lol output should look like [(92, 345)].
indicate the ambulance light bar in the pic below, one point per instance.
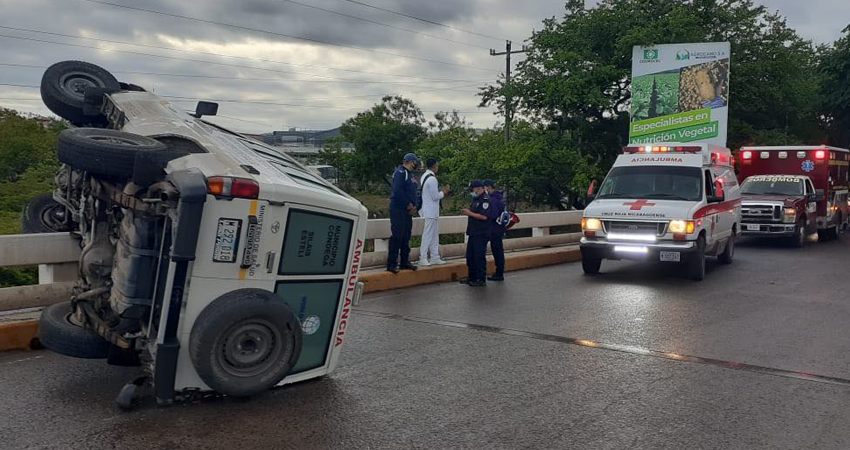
[(661, 149)]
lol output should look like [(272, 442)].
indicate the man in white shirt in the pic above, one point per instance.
[(431, 196)]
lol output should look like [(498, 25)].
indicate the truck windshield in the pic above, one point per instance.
[(772, 186), (668, 183)]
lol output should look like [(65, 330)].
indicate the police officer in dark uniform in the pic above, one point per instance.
[(478, 230), (402, 208)]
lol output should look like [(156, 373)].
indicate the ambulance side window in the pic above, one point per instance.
[(709, 184)]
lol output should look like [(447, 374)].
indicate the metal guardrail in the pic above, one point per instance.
[(57, 253)]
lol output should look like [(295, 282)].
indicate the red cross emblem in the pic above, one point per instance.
[(638, 204)]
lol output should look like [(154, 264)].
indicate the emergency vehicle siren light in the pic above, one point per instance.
[(820, 154), (661, 149), (747, 155)]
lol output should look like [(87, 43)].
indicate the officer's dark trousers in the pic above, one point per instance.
[(498, 248), (401, 225), (476, 257)]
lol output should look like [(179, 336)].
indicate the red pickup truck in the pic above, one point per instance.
[(794, 190)]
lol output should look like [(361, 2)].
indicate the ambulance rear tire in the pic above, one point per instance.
[(591, 266), (696, 265), (245, 342)]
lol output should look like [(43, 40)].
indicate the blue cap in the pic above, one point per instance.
[(475, 184), (489, 183), (410, 157)]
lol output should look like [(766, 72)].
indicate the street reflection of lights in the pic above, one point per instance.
[(587, 343), (674, 356)]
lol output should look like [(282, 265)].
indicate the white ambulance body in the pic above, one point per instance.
[(669, 203)]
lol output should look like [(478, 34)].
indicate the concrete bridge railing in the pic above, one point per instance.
[(56, 254)]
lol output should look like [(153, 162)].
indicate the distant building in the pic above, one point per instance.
[(302, 144)]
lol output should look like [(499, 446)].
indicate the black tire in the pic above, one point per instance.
[(696, 265), (104, 152), (729, 252), (63, 87), (799, 238), (58, 332), (235, 327), (44, 215), (591, 265)]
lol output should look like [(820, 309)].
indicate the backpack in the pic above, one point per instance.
[(419, 192), (507, 219)]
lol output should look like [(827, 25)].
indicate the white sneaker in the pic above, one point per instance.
[(438, 262), (424, 263)]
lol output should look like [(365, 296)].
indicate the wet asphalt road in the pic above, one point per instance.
[(415, 374)]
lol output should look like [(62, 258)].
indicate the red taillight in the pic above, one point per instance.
[(233, 187), (747, 155), (820, 154)]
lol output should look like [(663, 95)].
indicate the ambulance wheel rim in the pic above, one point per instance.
[(250, 348)]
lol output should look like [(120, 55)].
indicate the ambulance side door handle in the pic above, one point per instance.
[(269, 262)]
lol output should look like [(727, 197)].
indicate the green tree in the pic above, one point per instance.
[(835, 69), (576, 77), (381, 136), (27, 166), (338, 157)]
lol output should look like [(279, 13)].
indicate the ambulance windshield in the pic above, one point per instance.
[(658, 182), (772, 185)]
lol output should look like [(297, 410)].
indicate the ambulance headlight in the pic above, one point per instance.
[(591, 224), (790, 215), (681, 226)]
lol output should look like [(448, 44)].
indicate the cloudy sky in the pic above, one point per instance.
[(295, 63)]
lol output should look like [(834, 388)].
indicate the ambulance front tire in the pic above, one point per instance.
[(245, 342), (696, 265), (799, 238), (591, 265), (729, 251), (590, 261)]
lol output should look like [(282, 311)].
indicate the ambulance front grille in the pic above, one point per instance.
[(618, 226)]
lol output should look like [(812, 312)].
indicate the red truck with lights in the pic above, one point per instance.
[(793, 191)]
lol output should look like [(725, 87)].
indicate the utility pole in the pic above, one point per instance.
[(508, 111)]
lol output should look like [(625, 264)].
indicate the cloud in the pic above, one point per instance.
[(329, 82)]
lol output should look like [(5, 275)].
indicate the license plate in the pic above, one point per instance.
[(227, 240), (753, 227), (671, 256)]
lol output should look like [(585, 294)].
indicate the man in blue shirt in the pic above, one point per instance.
[(497, 230), (478, 230), (402, 208)]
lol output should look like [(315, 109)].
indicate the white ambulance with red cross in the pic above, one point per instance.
[(670, 203)]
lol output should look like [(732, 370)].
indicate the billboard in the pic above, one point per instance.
[(680, 93)]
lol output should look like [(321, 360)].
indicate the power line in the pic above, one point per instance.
[(267, 102), (422, 20), (274, 33), (214, 77), (131, 52), (381, 23), (160, 47)]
